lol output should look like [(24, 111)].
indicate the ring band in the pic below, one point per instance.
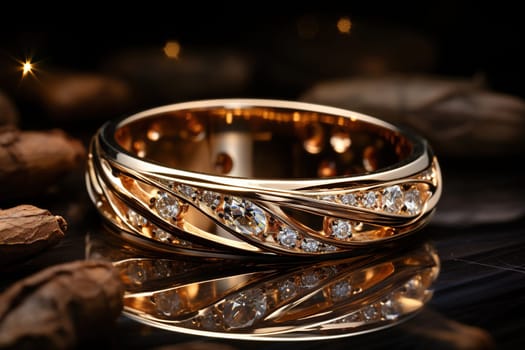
[(271, 177)]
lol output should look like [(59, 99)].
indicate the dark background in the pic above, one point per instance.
[(482, 282)]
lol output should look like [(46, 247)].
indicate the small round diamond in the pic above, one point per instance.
[(167, 206), (187, 191), (390, 309), (211, 199), (243, 309), (287, 237), (167, 303), (341, 229), (392, 199), (327, 197), (340, 290), (349, 199), (244, 216), (136, 219), (309, 279), (287, 290), (162, 235), (413, 201), (370, 313), (310, 245), (370, 200)]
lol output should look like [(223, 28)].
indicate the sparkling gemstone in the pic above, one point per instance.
[(162, 235), (309, 279), (340, 290), (390, 309), (211, 199), (370, 313), (392, 199), (136, 219), (349, 199), (244, 216), (309, 245), (370, 200), (167, 303), (287, 290), (328, 198), (187, 191), (287, 237), (341, 229), (167, 206), (244, 309), (413, 201)]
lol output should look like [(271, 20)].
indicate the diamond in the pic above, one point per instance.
[(167, 303), (390, 309), (340, 290), (327, 197), (243, 309), (310, 245), (392, 199), (341, 229), (136, 219), (349, 199), (162, 235), (287, 237), (187, 191), (287, 290), (413, 201), (370, 313), (211, 199), (244, 216), (167, 206), (309, 279), (370, 200)]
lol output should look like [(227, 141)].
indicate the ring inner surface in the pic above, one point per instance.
[(255, 142)]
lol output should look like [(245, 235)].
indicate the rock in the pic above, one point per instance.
[(458, 116)]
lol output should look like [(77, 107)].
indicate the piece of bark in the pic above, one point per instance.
[(459, 117), (8, 112), (61, 307), (26, 230), (31, 161), (73, 96), (158, 79)]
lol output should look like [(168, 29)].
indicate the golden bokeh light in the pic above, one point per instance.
[(344, 25), (172, 49)]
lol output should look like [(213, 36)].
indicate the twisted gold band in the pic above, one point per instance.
[(223, 177)]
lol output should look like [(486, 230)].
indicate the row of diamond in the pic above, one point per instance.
[(240, 215), (152, 231), (244, 309), (406, 199)]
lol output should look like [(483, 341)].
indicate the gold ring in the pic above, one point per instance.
[(250, 177)]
